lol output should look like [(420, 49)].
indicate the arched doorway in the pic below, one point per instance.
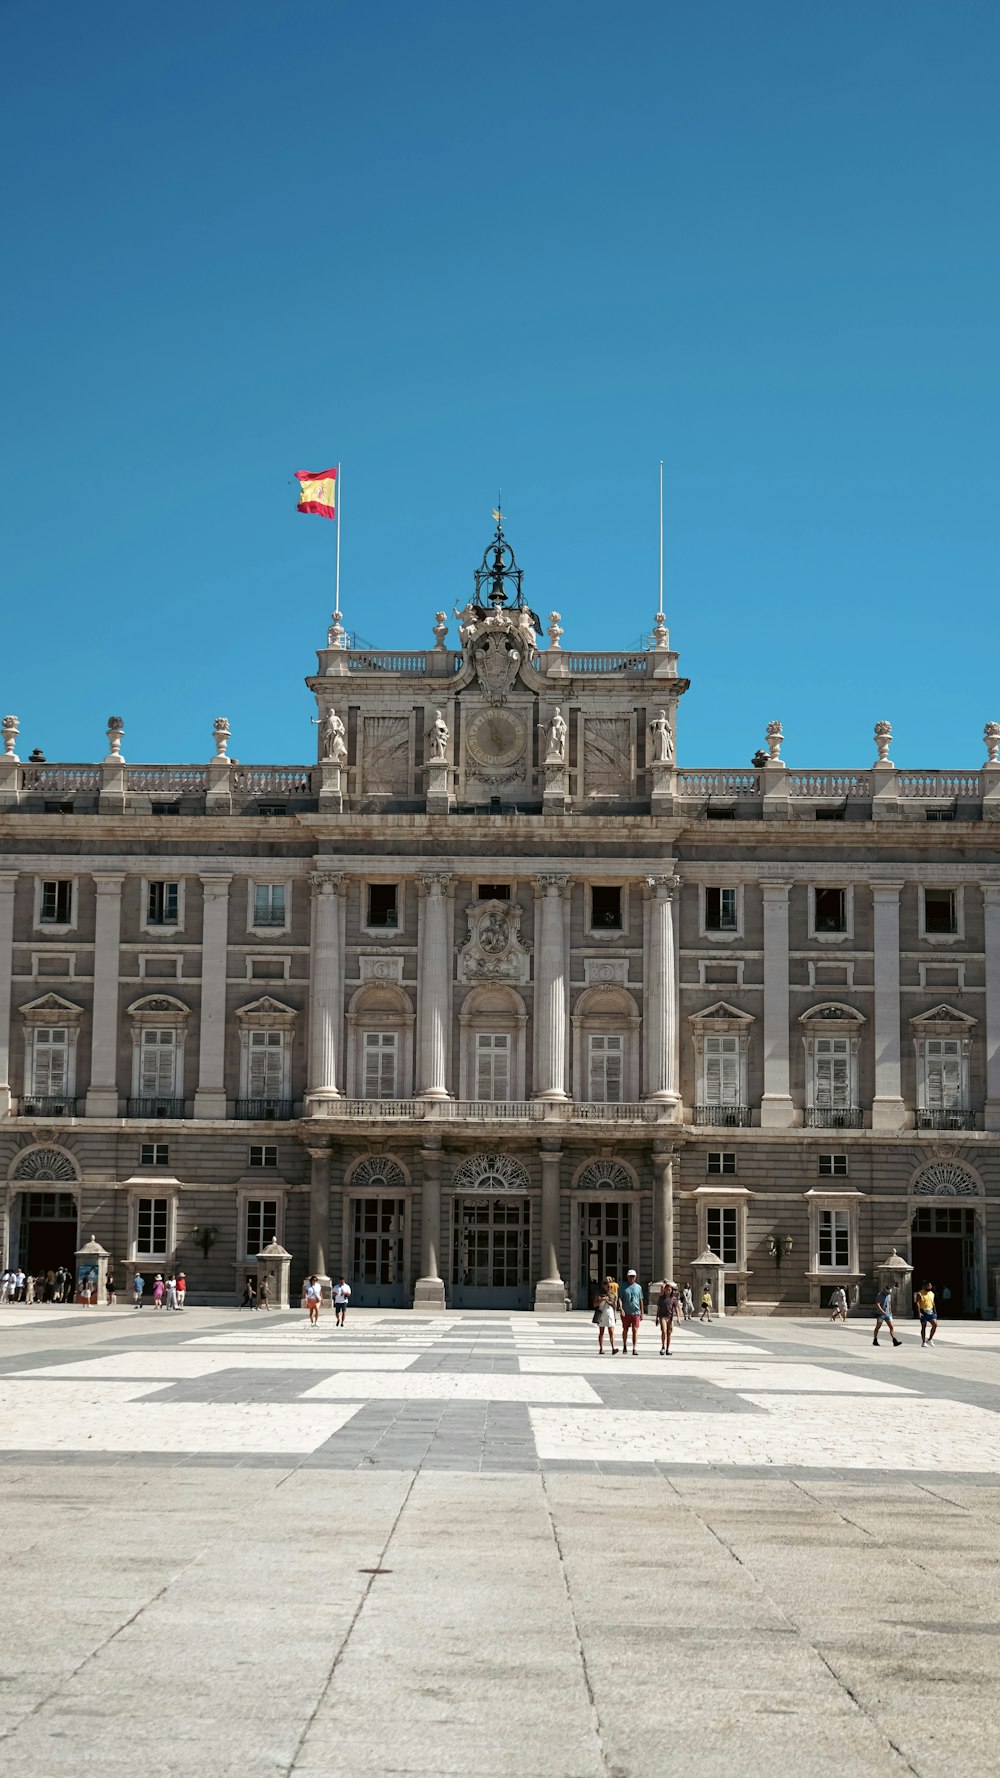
[(491, 1234), (605, 1201), (44, 1223), (376, 1232), (946, 1236)]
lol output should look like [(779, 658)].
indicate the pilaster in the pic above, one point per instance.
[(428, 1292), (434, 985), (776, 1109), (663, 1214), (550, 990), (550, 1291), (888, 1110), (102, 1095), (8, 885), (210, 1098), (661, 1000), (991, 942)]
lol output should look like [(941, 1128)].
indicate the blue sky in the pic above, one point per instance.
[(541, 245)]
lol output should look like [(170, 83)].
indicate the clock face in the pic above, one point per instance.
[(496, 738)]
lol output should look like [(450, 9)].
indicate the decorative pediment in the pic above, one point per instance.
[(722, 1015), (266, 1011), (494, 950), (945, 1016), (833, 1012), (159, 1009), (50, 1009)]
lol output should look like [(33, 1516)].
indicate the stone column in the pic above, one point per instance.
[(8, 884), (326, 972), (776, 1111), (102, 1095), (550, 1291), (663, 1214), (550, 990), (434, 1001), (319, 1214), (888, 1111), (428, 1292), (661, 993), (210, 1099), (991, 946)]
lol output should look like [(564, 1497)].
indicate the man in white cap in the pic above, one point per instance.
[(630, 1309)]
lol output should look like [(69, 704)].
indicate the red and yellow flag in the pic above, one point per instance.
[(317, 491)]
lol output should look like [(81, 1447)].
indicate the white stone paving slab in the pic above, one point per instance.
[(451, 1386), (108, 1417), (809, 1378), (176, 1363)]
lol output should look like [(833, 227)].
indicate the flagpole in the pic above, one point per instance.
[(336, 593), (660, 607)]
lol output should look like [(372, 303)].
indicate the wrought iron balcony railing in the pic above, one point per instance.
[(834, 1117), (265, 1110), (723, 1117), (152, 1107), (47, 1105), (950, 1119)]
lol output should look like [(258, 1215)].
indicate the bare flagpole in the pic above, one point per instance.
[(660, 607)]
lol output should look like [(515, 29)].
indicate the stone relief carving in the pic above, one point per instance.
[(607, 756), (605, 971), (605, 1176), (386, 755), (497, 660), (945, 1179), (381, 969), (494, 950), (490, 1173)]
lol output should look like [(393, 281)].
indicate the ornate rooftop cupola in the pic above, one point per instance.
[(500, 578)]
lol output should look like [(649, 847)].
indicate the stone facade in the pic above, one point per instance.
[(497, 996)]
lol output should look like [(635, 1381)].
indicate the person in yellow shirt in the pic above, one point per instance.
[(927, 1313)]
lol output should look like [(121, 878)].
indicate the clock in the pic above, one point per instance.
[(496, 738)]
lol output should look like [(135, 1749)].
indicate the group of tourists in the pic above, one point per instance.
[(312, 1296), (53, 1286), (625, 1304), (167, 1293), (924, 1306)]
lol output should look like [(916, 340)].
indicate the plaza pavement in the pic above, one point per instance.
[(464, 1544)]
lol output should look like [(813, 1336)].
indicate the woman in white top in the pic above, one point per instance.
[(604, 1317), (314, 1295)]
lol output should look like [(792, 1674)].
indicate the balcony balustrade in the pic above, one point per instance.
[(834, 1117), (150, 1107), (47, 1105), (953, 1118), (723, 1117), (265, 1110)]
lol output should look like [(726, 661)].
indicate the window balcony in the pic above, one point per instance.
[(723, 1117), (265, 1110), (47, 1105), (148, 1107), (834, 1117), (951, 1119)]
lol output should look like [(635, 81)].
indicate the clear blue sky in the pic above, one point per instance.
[(543, 244)]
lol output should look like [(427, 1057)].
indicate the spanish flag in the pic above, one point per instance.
[(317, 491)]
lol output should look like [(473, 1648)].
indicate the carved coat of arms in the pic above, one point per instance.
[(496, 659), (494, 951)]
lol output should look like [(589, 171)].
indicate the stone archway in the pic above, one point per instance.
[(43, 1219), (947, 1234)]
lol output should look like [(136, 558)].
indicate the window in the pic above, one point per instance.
[(493, 892), (940, 912), (383, 904), (606, 908), (492, 1065), (721, 1161), (266, 1067), (720, 1222), (51, 1207), (722, 1070), (261, 1223), (720, 910), (943, 1071), (830, 910), (57, 903), (832, 1166), (605, 1058), (380, 1053), (50, 1061), (269, 906), (157, 1062), (832, 1072), (152, 1217), (154, 1154), (263, 1154), (834, 1249), (161, 904)]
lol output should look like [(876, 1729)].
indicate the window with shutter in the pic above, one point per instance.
[(943, 1073), (722, 1070), (49, 1062), (157, 1062), (380, 1065), (835, 1239), (606, 1057), (267, 1064), (492, 1065), (269, 904), (832, 1072)]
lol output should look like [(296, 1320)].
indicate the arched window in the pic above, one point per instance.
[(380, 1043), (493, 1022), (606, 1030)]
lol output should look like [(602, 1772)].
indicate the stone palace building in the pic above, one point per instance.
[(497, 997)]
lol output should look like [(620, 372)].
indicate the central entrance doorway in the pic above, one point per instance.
[(491, 1252), (376, 1248), (605, 1241), (47, 1235), (944, 1251)]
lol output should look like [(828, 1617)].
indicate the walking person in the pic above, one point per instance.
[(604, 1317), (170, 1293), (341, 1298), (264, 1296), (928, 1314), (313, 1294), (667, 1308), (838, 1304), (182, 1285), (630, 1309), (249, 1298), (138, 1286), (158, 1291), (883, 1315), (706, 1305), (688, 1303)]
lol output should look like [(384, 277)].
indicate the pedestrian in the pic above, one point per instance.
[(264, 1296), (50, 1286), (341, 1298), (109, 1284), (86, 1288), (138, 1286), (667, 1308), (688, 1303), (158, 1288), (706, 1305), (29, 1289), (249, 1300), (604, 1317), (927, 1313), (838, 1304), (170, 1292), (182, 1285), (883, 1315), (314, 1296), (19, 1284), (630, 1309)]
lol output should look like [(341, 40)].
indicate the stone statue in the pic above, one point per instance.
[(555, 745), (332, 744), (439, 734), (663, 740)]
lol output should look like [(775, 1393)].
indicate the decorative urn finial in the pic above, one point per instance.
[(991, 736), (115, 731), (883, 736), (335, 637), (440, 628), (774, 736), (10, 726), (555, 629), (220, 734)]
